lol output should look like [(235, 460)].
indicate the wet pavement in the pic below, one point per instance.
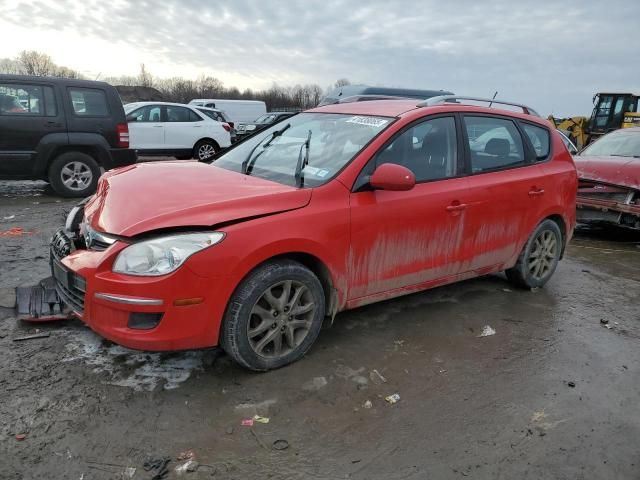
[(552, 394)]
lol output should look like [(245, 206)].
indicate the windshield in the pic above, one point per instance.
[(335, 140), (268, 118), (620, 143)]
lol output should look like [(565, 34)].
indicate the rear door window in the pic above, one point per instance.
[(494, 143), (181, 114), (89, 102), (21, 99), (540, 140)]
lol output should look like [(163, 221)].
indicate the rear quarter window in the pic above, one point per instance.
[(540, 140), (89, 102)]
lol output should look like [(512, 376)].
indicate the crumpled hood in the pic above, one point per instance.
[(157, 195), (622, 171)]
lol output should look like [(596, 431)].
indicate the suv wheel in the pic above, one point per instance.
[(274, 316), (74, 174), (539, 258), (205, 150)]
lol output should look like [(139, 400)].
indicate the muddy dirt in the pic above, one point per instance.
[(546, 392)]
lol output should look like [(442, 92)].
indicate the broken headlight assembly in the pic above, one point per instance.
[(163, 255)]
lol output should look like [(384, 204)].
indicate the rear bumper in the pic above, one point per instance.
[(120, 157)]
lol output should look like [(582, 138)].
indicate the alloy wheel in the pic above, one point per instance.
[(281, 319), (206, 151), (543, 254), (76, 176)]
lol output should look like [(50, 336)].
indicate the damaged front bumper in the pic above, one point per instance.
[(177, 311), (603, 203)]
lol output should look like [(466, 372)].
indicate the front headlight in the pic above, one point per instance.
[(163, 255), (250, 127)]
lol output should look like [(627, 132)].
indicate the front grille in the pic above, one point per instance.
[(70, 286), (73, 296), (620, 197), (61, 245)]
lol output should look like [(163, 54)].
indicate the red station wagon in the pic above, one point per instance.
[(334, 208)]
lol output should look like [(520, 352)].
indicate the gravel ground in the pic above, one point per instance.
[(552, 394)]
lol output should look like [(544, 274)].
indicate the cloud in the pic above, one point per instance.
[(553, 55)]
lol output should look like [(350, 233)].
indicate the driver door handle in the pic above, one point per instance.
[(536, 192), (456, 207)]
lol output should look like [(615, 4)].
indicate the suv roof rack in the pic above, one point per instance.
[(456, 99)]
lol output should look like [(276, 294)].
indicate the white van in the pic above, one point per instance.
[(237, 110)]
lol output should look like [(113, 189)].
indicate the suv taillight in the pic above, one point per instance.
[(231, 124), (226, 126), (123, 135)]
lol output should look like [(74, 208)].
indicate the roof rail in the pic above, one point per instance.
[(456, 99)]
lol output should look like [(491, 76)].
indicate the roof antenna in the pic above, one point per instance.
[(493, 98)]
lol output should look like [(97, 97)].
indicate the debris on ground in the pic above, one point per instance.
[(158, 465), (229, 430), (21, 436), (260, 419), (15, 232), (315, 384), (507, 290), (367, 404), (247, 422), (129, 472), (395, 398), (280, 444), (32, 337), (187, 455), (604, 321), (376, 377), (251, 409), (487, 331), (9, 217), (571, 384), (189, 466)]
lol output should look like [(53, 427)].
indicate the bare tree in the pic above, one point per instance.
[(10, 66), (144, 78), (341, 82), (36, 63)]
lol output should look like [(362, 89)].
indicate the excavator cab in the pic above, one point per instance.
[(612, 111)]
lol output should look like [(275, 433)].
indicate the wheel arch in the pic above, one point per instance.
[(319, 269), (209, 139), (562, 224)]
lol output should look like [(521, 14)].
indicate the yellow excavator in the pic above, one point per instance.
[(611, 111)]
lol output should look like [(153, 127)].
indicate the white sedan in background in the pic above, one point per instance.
[(182, 131)]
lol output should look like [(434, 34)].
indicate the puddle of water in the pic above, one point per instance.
[(140, 371)]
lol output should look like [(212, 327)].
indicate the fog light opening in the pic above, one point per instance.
[(144, 321)]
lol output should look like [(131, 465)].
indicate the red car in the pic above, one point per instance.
[(609, 172), (334, 208)]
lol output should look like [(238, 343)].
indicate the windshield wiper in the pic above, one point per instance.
[(247, 163), (302, 161)]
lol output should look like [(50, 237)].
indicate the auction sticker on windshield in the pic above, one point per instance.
[(368, 121)]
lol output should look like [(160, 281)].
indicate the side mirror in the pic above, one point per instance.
[(390, 176), (131, 118)]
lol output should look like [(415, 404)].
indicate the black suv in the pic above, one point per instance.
[(61, 131)]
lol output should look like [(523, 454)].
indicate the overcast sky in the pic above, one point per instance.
[(553, 55)]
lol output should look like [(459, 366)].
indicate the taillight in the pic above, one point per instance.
[(226, 126), (123, 135), (231, 124)]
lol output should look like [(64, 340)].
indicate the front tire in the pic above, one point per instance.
[(205, 150), (74, 174), (274, 316), (539, 257)]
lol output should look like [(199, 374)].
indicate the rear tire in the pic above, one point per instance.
[(74, 174), (539, 257), (274, 316), (205, 150)]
